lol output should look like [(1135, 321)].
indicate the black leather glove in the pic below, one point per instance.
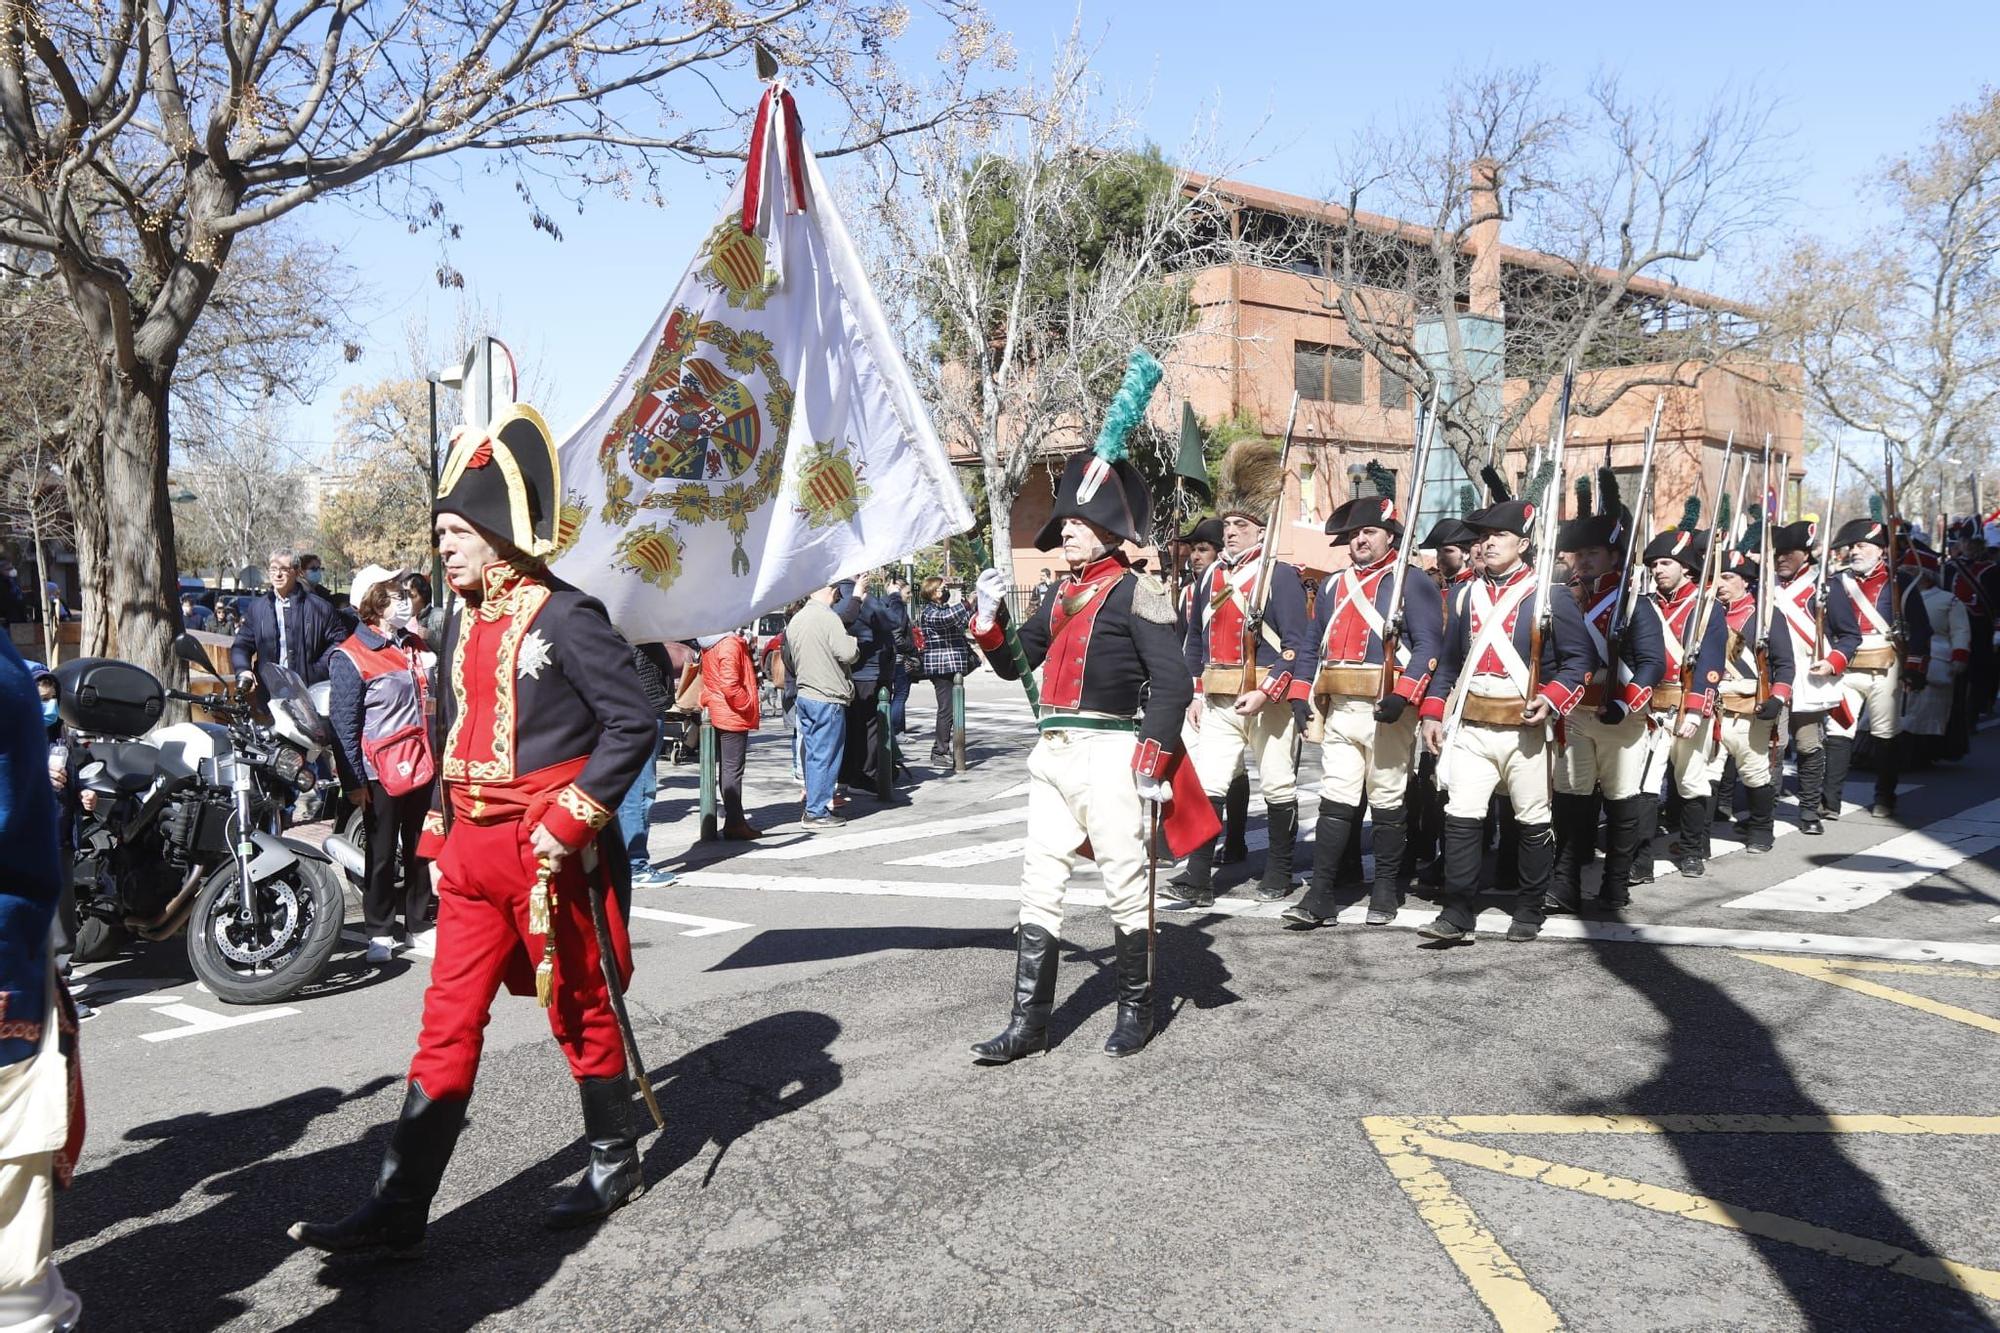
[(1770, 709), (1300, 714), (1612, 713), (1915, 680), (1389, 709)]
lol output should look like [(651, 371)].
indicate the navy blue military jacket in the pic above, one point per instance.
[(1847, 624), (1567, 657), (1221, 605), (1343, 633)]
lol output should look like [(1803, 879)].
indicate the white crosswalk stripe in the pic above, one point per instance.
[(1901, 862)]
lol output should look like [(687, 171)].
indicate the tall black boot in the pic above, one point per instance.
[(1839, 754), (1576, 835), (395, 1215), (1353, 873), (1689, 859), (1538, 858), (1027, 1029), (1196, 882), (1385, 897), (1282, 818), (1336, 824), (1506, 859), (1648, 838), (1812, 789), (1670, 818), (1235, 819), (1757, 830), (1708, 823), (612, 1179), (1889, 765), (1464, 849), (1134, 1025), (1626, 822)]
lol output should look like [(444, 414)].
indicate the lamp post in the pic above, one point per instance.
[(453, 377)]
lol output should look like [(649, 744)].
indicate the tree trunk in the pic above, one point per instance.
[(125, 527), (1000, 519)]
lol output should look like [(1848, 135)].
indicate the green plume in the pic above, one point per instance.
[(1142, 376), (1582, 496), (1691, 514), (1538, 485), (1722, 519), (1384, 479), (1875, 509), (1468, 500), (1752, 540)]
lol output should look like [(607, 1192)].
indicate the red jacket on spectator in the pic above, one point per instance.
[(729, 685)]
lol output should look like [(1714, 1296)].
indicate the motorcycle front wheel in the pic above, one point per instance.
[(300, 910)]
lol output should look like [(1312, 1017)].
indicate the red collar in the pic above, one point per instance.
[(1672, 600), (500, 585), (1111, 564), (1605, 583)]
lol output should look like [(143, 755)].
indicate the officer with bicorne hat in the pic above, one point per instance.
[(1113, 691), (541, 729)]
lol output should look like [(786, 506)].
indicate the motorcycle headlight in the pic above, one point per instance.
[(287, 763)]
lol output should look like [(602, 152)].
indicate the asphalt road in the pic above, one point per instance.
[(1765, 1100)]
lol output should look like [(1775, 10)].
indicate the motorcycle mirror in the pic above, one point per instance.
[(190, 650)]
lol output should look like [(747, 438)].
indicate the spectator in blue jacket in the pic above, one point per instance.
[(287, 626)]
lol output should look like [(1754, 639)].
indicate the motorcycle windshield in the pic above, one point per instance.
[(291, 698)]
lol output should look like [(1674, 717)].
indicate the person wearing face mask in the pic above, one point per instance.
[(378, 698), (1873, 665)]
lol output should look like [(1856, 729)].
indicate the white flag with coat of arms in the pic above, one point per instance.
[(766, 439)]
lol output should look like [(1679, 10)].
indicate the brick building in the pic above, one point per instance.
[(1263, 332)]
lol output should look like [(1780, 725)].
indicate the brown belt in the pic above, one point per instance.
[(1494, 712), (1872, 659), (1666, 698), (1739, 705), (1362, 681), (1223, 680)]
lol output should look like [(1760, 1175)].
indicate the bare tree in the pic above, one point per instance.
[(1899, 332), (141, 142), (1619, 198), (1024, 254), (248, 491)]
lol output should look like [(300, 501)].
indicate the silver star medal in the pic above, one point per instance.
[(534, 655)]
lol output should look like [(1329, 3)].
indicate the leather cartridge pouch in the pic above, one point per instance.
[(1494, 712)]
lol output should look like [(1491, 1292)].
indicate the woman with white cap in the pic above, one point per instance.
[(384, 755)]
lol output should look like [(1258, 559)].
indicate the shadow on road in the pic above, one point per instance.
[(774, 948), (1719, 1056)]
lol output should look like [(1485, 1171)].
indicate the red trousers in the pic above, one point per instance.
[(486, 872)]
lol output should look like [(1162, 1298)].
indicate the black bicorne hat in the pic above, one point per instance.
[(1208, 532), (1515, 516), (1112, 495), (1606, 530), (1742, 565), (506, 481), (1800, 536), (1862, 530), (1367, 511), (1686, 545), (1448, 532)]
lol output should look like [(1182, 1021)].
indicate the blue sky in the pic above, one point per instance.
[(1855, 84)]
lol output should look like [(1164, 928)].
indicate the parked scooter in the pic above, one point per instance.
[(183, 827)]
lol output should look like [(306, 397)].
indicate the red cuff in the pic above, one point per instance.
[(1411, 688), (1781, 691), (573, 818), (1700, 704), (1279, 687), (1837, 660), (1914, 664), (1432, 709), (1560, 697), (430, 843), (989, 638), (1959, 657), (1149, 760), (1300, 690), (1634, 697)]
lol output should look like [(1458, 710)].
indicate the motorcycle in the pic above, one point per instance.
[(184, 827)]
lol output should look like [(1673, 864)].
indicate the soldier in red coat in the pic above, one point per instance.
[(542, 728)]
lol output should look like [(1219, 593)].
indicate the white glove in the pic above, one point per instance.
[(991, 591), (1154, 790)]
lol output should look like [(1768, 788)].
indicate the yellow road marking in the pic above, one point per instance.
[(1915, 969), (1448, 1126), (1834, 973), (1698, 1208), (1495, 1278)]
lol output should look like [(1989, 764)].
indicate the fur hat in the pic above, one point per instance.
[(1249, 481)]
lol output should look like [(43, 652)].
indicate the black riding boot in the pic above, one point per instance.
[(1235, 817), (612, 1179), (1626, 822), (1506, 860), (1282, 817), (1648, 836), (1690, 858), (1352, 875), (1196, 882), (1812, 789), (1839, 754), (1538, 858), (1889, 766), (1464, 849), (1757, 832), (1708, 823), (1134, 1025), (1385, 898), (1576, 835), (1336, 824), (1027, 1030), (395, 1215)]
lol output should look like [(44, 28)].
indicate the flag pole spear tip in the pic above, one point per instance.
[(767, 64)]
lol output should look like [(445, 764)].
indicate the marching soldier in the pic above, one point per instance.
[(1797, 606), (1370, 734), (1249, 696), (1604, 740), (543, 728), (1961, 576), (1684, 701), (1113, 693), (1933, 710), (1751, 697), (1867, 613), (1204, 543), (1453, 544), (1503, 711)]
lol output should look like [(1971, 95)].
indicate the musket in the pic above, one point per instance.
[(1267, 558), (1825, 555), (1629, 575), (1545, 539), (1765, 575), (1392, 624), (1898, 631), (1711, 563)]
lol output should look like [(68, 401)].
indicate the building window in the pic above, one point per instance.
[(1327, 374), (1393, 392), (1307, 496)]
